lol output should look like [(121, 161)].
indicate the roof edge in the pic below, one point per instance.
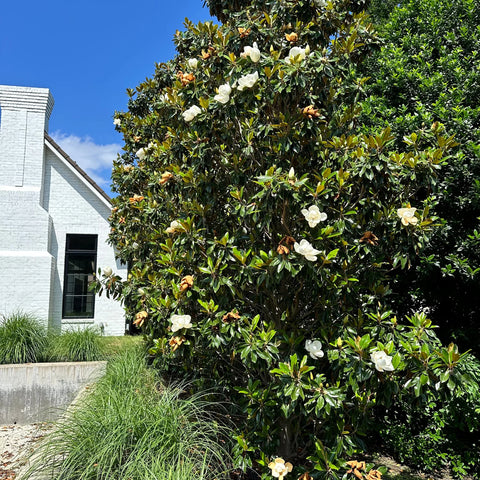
[(78, 168)]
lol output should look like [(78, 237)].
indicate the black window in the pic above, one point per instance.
[(80, 265)]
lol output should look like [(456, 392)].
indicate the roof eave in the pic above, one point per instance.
[(54, 146)]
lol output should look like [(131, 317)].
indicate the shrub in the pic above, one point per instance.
[(432, 435), (76, 346), (131, 427), (264, 232), (425, 77), (23, 338)]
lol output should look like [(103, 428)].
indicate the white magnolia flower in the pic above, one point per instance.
[(291, 174), (141, 154), (107, 271), (280, 468), (314, 216), (305, 248), (174, 226), (223, 93), (314, 348), (191, 113), (247, 81), (180, 321), (140, 291), (193, 63), (117, 122), (252, 52), (382, 361), (297, 54), (407, 215)]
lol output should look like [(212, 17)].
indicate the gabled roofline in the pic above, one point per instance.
[(74, 165)]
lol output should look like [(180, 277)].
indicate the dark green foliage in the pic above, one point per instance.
[(426, 77), (432, 436), (228, 279), (23, 339)]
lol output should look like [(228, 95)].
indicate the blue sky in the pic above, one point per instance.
[(88, 53)]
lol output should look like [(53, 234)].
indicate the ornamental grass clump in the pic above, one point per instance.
[(286, 219), (76, 346), (130, 426), (23, 338)]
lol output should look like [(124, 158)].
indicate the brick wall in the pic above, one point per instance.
[(42, 199), (77, 209)]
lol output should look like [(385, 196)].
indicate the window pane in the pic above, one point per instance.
[(80, 265), (82, 242)]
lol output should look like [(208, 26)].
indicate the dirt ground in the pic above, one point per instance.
[(16, 443)]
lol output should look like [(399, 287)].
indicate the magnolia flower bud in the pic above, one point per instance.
[(291, 174), (192, 63), (141, 153), (107, 271)]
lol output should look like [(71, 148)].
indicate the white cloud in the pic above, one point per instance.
[(96, 160)]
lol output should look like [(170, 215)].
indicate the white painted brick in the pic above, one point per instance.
[(43, 199)]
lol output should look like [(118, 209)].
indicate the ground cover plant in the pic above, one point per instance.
[(265, 232), (112, 346), (130, 426)]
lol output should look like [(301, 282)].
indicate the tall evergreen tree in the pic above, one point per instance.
[(260, 228)]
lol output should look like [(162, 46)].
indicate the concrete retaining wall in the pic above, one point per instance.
[(38, 392)]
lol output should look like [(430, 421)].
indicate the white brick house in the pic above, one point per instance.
[(53, 222)]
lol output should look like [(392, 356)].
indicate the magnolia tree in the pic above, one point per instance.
[(262, 232)]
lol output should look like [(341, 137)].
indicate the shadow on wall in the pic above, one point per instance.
[(40, 392)]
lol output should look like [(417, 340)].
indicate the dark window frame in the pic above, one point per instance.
[(79, 252)]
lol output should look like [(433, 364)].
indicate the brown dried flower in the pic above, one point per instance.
[(166, 176), (305, 476), (175, 342), (136, 198), (207, 54), (356, 467), (282, 250), (185, 78), (244, 32), (140, 318), (186, 283), (370, 238), (291, 37), (230, 317), (310, 112)]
